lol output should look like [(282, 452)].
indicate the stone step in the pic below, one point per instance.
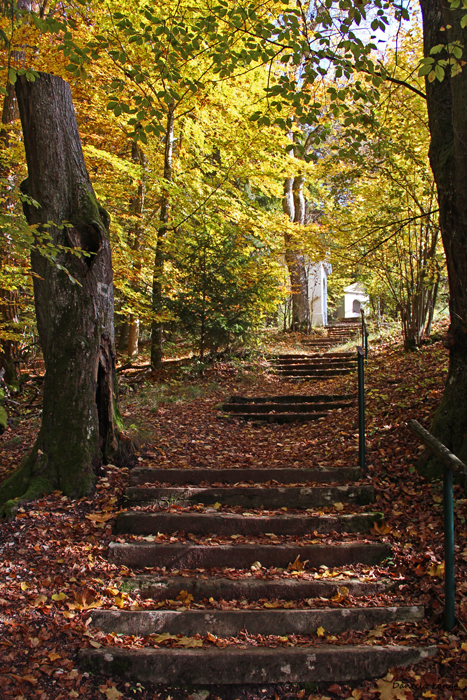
[(146, 475), (317, 373), (315, 364), (281, 418), (314, 355), (285, 407), (291, 398), (251, 588), (141, 523), (229, 623), (137, 554), (232, 666), (255, 497)]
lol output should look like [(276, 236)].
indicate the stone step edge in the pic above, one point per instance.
[(141, 554), (143, 475), (229, 623), (168, 588), (254, 665), (271, 496), (147, 523)]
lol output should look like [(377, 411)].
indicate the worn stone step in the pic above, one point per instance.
[(255, 497), (285, 407), (137, 554), (229, 623), (251, 588), (292, 398), (282, 418), (141, 523), (322, 373), (233, 666), (146, 475), (312, 355), (323, 367)]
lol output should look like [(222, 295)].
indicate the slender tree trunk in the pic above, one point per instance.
[(138, 210), (73, 299), (158, 278), (447, 113), (293, 204)]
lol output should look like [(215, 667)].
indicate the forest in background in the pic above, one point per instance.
[(205, 247)]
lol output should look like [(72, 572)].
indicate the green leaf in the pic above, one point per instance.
[(12, 75), (439, 72), (424, 70), (437, 48)]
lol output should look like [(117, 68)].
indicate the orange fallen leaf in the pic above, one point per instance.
[(297, 565)]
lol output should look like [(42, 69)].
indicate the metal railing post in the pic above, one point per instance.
[(451, 464), (449, 580), (361, 409)]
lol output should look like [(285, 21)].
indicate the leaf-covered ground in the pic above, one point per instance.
[(53, 567)]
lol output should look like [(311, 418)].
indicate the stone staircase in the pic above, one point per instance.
[(244, 536), (337, 334), (316, 366), (286, 408)]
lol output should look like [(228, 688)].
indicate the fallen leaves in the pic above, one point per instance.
[(297, 565)]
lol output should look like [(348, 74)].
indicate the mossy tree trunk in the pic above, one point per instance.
[(447, 100), (73, 299)]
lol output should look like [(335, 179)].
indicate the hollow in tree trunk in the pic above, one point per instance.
[(73, 299)]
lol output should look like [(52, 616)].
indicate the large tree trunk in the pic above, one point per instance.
[(447, 114), (73, 299)]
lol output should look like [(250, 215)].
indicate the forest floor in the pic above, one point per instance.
[(54, 569)]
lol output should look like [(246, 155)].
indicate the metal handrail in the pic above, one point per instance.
[(361, 409), (451, 465)]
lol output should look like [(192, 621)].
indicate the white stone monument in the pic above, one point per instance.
[(318, 292)]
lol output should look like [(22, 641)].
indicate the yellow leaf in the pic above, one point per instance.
[(69, 615), (112, 591), (111, 693), (297, 565), (40, 600), (381, 529), (95, 644), (59, 596), (217, 505), (211, 637), (320, 631), (436, 570), (357, 693), (53, 656), (24, 585), (119, 601), (462, 683), (189, 642), (389, 691), (339, 506), (99, 517), (159, 638), (185, 597)]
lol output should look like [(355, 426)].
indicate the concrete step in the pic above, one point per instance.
[(251, 588), (232, 666), (255, 497), (141, 523), (315, 364), (146, 475), (137, 554), (229, 623)]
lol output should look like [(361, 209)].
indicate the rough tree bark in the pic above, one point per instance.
[(447, 113), (73, 300)]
